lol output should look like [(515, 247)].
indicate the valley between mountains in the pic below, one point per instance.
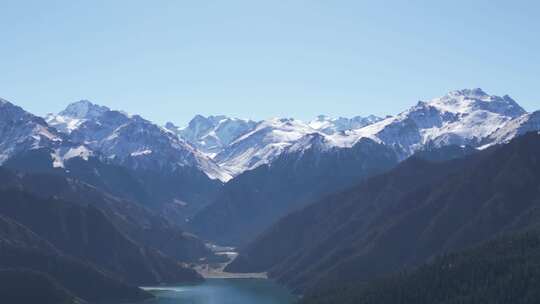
[(96, 202)]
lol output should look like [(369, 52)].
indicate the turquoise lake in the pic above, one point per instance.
[(223, 291)]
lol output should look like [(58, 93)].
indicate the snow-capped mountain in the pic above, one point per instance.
[(21, 131), (262, 144), (213, 133), (304, 171), (224, 147), (513, 128), (238, 145), (329, 125), (131, 140), (74, 115), (463, 117), (312, 141)]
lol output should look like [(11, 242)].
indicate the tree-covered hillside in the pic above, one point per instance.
[(506, 270)]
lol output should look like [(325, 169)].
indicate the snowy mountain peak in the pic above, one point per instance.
[(211, 134), (133, 141), (463, 117), (83, 109), (316, 141), (470, 100), (223, 147), (525, 123), (22, 131), (74, 115), (199, 119), (329, 125), (268, 139), (130, 140), (476, 92)]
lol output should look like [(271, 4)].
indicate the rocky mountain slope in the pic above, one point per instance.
[(87, 233), (135, 221), (222, 147), (306, 170), (464, 117), (89, 176), (159, 169), (130, 140), (238, 145), (402, 218), (31, 267), (212, 134)]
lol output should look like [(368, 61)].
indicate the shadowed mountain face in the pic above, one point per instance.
[(106, 242), (122, 154), (402, 218), (86, 233), (160, 191), (32, 267), (132, 219), (28, 287), (501, 271), (178, 172), (105, 194), (254, 200)]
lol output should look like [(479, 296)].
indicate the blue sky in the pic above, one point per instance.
[(170, 60)]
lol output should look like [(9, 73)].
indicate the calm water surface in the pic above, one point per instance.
[(224, 291)]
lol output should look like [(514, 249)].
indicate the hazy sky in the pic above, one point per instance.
[(169, 60)]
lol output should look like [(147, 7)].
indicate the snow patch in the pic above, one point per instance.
[(141, 152), (81, 151), (58, 162)]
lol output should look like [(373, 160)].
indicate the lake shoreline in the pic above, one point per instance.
[(222, 291), (216, 270)]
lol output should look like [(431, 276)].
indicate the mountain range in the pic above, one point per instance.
[(503, 270), (122, 201), (124, 243), (223, 147), (181, 172), (395, 221), (251, 202), (292, 173), (463, 117)]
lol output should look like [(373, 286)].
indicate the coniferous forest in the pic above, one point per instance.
[(505, 270)]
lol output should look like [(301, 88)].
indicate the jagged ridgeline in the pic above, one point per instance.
[(425, 207), (179, 171), (120, 201)]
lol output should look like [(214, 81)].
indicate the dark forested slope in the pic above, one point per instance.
[(253, 201), (134, 220), (86, 232), (30, 267), (403, 218), (506, 270)]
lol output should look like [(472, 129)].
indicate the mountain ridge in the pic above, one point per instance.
[(223, 147), (402, 218)]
